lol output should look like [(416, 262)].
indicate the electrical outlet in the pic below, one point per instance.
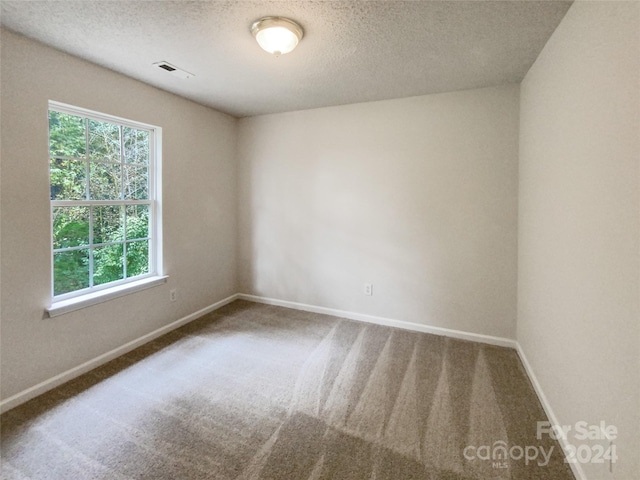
[(173, 295), (368, 289)]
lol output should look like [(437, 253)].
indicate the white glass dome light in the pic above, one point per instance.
[(277, 35)]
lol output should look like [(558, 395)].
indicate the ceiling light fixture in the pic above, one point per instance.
[(277, 35)]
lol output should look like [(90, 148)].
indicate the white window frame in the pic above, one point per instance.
[(94, 294)]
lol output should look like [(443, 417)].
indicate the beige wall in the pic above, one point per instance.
[(578, 312), (199, 212), (417, 196)]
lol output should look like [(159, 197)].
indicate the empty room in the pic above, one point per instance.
[(348, 239)]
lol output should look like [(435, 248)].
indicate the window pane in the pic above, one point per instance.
[(136, 145), (104, 141), (67, 179), (137, 258), (99, 172), (70, 227), (107, 223), (108, 264), (70, 271), (105, 182), (136, 182), (137, 221), (67, 136)]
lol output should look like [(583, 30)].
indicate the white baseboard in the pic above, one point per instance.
[(576, 468), (475, 337), (72, 373), (389, 322)]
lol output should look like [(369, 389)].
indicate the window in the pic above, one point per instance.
[(104, 201)]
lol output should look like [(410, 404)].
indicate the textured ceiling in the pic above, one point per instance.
[(352, 51)]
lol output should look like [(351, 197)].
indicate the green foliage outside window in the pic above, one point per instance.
[(92, 160)]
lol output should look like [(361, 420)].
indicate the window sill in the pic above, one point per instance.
[(66, 306)]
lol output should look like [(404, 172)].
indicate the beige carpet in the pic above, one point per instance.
[(261, 392)]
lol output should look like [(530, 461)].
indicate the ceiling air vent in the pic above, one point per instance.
[(173, 70)]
